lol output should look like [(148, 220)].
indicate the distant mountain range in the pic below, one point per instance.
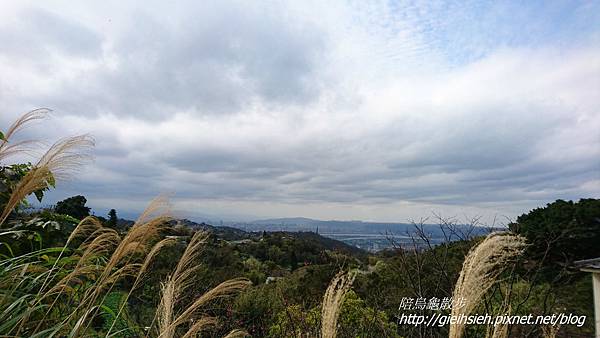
[(369, 236), (337, 228), (236, 234)]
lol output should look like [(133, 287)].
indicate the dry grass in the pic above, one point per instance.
[(332, 303), (237, 334), (103, 240), (149, 258), (86, 227), (134, 244), (481, 268), (9, 148), (199, 326), (103, 257), (67, 155), (169, 318), (177, 283), (59, 162), (125, 253), (98, 242)]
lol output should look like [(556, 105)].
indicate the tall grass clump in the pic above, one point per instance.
[(8, 147), (332, 302), (64, 296), (59, 162), (481, 268), (61, 291), (169, 317)]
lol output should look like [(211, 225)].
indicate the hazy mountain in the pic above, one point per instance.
[(295, 221), (345, 227)]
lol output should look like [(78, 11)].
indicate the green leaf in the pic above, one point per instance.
[(8, 247), (108, 310), (39, 194), (2, 136)]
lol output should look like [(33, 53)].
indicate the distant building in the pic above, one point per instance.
[(593, 266)]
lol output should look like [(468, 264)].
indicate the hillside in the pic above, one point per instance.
[(369, 236), (237, 235)]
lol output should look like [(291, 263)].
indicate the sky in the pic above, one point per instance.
[(364, 110)]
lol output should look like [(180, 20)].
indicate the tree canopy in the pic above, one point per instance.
[(566, 230), (73, 206)]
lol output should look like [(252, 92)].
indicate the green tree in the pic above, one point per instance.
[(563, 230), (112, 218), (73, 206), (359, 320)]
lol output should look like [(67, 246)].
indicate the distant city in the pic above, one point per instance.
[(369, 236)]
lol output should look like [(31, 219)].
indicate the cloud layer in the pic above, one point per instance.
[(337, 110)]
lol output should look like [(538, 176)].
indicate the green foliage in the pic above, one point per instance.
[(10, 176), (306, 285), (73, 206), (292, 251), (32, 232), (112, 219), (293, 321), (569, 231), (256, 309), (301, 266), (123, 327), (359, 320), (356, 320), (20, 279)]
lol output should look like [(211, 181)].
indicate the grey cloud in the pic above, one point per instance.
[(216, 59), (40, 33), (264, 70)]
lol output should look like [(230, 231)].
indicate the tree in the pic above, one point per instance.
[(112, 218), (563, 230), (73, 206)]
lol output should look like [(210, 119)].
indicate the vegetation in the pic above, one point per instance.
[(481, 268), (64, 273), (73, 206), (563, 231)]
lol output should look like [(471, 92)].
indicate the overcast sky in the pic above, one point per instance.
[(333, 110)]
